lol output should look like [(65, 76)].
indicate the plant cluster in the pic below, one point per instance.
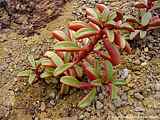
[(91, 49)]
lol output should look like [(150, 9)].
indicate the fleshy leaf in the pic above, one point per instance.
[(54, 57), (127, 27), (114, 92), (67, 46), (45, 74), (107, 73), (67, 57), (59, 35), (85, 32), (123, 42), (119, 82), (134, 34), (31, 79), (113, 52), (140, 5), (47, 62), (110, 35), (92, 12), (110, 24), (112, 15), (101, 7), (79, 70), (96, 82), (24, 73), (62, 68), (87, 100), (146, 18), (90, 71), (32, 61), (143, 34), (76, 25), (70, 81)]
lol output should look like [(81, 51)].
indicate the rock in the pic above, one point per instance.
[(139, 109), (117, 103), (137, 62), (52, 102), (124, 97), (36, 118), (138, 96), (81, 117), (144, 64), (101, 96), (99, 105), (146, 49), (157, 96), (157, 86), (123, 74), (52, 94), (43, 106)]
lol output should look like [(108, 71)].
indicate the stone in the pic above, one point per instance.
[(137, 62), (123, 74), (138, 96), (99, 105), (81, 117), (157, 86), (139, 109), (146, 49), (43, 106), (117, 103)]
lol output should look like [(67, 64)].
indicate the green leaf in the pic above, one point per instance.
[(79, 70), (46, 74), (105, 14), (46, 62), (134, 34), (85, 32), (146, 18), (54, 57), (109, 69), (97, 82), (119, 82), (110, 35), (32, 77), (98, 46), (87, 100), (59, 35), (67, 57), (143, 34), (62, 68), (158, 3), (24, 73), (70, 81), (112, 15), (32, 61), (92, 12), (123, 42), (127, 26), (90, 71), (66, 46), (114, 92)]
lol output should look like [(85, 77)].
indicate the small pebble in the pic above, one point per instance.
[(138, 96), (99, 105), (43, 106), (139, 109)]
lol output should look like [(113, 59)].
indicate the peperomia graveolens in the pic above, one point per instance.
[(92, 49)]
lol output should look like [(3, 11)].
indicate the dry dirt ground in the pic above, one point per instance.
[(139, 99)]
